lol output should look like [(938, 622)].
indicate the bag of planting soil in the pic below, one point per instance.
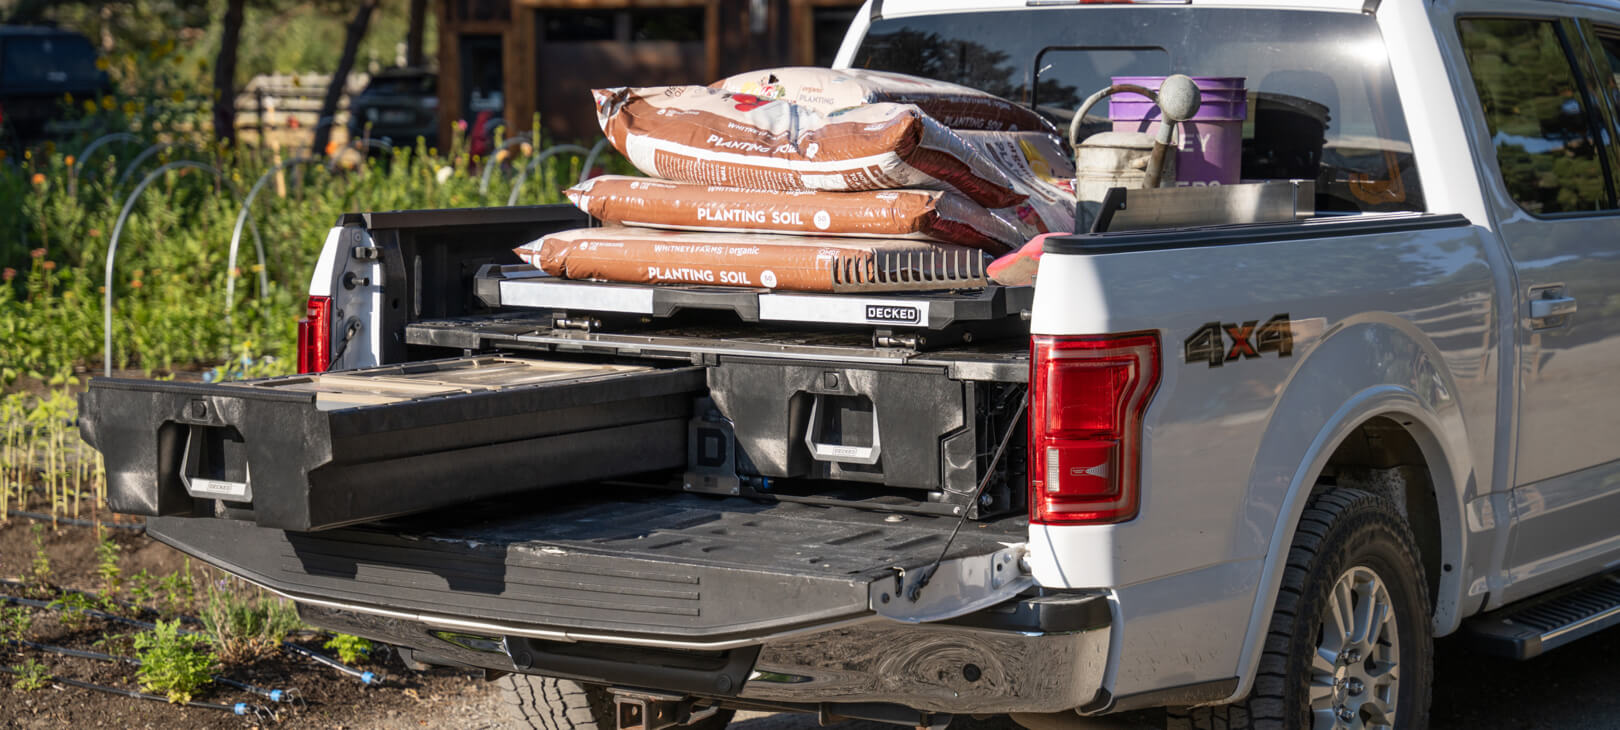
[(755, 260), (1040, 170), (702, 135), (921, 214), (826, 90)]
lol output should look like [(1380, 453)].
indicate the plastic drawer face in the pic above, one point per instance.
[(310, 452)]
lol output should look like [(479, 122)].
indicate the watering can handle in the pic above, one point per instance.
[(1091, 101)]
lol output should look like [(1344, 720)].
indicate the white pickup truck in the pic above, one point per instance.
[(1262, 466)]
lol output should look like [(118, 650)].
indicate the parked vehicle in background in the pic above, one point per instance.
[(397, 106), (38, 66)]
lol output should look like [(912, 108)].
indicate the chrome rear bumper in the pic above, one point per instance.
[(1029, 655)]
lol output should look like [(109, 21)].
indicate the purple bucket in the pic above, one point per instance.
[(1211, 142)]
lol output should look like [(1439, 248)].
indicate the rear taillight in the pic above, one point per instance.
[(315, 336), (1087, 398)]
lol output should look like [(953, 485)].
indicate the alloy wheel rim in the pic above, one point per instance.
[(1355, 677)]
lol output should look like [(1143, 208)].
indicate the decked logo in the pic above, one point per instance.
[(889, 314)]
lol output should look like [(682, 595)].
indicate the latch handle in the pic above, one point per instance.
[(1554, 307), (864, 455)]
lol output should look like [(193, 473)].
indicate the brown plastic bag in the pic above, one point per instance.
[(922, 214), (702, 135), (755, 260), (828, 89)]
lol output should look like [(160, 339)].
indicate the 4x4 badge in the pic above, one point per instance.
[(1208, 344)]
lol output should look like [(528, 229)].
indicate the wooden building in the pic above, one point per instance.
[(516, 58)]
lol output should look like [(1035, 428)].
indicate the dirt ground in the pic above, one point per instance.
[(1572, 687), (437, 698)]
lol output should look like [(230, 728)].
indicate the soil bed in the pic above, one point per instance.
[(437, 697)]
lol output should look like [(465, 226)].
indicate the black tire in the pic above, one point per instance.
[(544, 703), (1342, 531)]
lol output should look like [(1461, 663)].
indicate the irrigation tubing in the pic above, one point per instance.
[(367, 678), (74, 521), (364, 677), (99, 599), (240, 708), (274, 695)]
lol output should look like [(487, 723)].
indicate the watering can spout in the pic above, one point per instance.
[(1178, 101)]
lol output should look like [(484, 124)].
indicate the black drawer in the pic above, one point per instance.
[(311, 452)]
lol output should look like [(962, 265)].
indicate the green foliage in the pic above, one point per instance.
[(175, 664), (15, 622), (143, 588), (73, 608), (178, 594), (107, 566), (39, 570), (244, 622), (115, 644), (31, 675), (350, 649), (170, 273)]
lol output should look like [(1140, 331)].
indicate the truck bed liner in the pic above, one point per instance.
[(681, 566)]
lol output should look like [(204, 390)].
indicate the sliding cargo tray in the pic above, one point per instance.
[(311, 452), (981, 313)]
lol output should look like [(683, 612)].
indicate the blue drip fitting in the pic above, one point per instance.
[(368, 677), (241, 708), (275, 695)]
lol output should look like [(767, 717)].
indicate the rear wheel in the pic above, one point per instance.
[(544, 703), (1350, 645)]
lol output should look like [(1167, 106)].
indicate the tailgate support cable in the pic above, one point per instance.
[(927, 572)]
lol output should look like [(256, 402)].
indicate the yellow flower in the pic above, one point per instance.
[(178, 96), (129, 108), (67, 99), (256, 268), (89, 106), (102, 64), (108, 103)]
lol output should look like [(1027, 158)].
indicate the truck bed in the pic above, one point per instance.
[(667, 567)]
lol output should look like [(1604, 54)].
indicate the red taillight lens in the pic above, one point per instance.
[(315, 336), (1087, 398)]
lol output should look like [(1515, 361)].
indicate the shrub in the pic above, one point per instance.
[(31, 675), (73, 607), (107, 566), (350, 649), (39, 571), (179, 594), (175, 664), (244, 623), (15, 623)]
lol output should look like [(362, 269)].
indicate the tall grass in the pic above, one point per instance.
[(170, 276)]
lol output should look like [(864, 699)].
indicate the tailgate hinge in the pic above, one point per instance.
[(953, 587)]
